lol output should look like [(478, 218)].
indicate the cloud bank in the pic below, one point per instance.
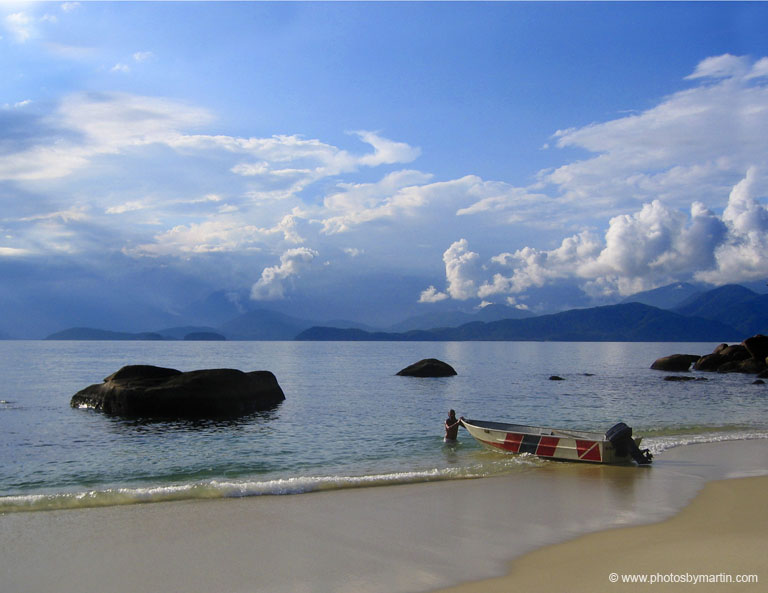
[(674, 192)]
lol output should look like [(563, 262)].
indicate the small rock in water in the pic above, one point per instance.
[(429, 367), (758, 382), (556, 378)]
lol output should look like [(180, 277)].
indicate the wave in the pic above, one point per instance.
[(216, 488), (663, 441), (483, 464)]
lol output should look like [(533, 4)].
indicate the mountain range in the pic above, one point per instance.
[(727, 313)]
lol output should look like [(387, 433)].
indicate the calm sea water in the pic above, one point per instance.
[(347, 420)]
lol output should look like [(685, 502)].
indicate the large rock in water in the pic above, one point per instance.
[(675, 363), (150, 391), (429, 367), (757, 346)]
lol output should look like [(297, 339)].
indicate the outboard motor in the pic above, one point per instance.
[(620, 436)]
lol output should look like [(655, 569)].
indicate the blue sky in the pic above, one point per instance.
[(373, 160)]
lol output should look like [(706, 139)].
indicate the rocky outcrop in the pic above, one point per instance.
[(748, 357), (429, 367), (723, 354), (757, 346), (151, 392), (675, 363)]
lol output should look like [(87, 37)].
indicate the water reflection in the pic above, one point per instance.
[(218, 424)]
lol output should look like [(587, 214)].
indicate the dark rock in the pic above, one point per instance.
[(758, 382), (429, 367), (556, 378), (675, 363), (709, 362), (749, 366), (757, 346), (150, 392), (722, 355), (684, 378)]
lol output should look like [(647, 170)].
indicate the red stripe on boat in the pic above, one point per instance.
[(588, 450), (512, 442), (547, 446)]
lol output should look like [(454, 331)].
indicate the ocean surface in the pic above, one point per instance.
[(347, 421)]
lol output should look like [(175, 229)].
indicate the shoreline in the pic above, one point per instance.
[(719, 538), (406, 538)]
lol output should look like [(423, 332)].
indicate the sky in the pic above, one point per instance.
[(371, 161)]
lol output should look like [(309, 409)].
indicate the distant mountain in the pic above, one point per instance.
[(631, 322), (457, 318), (179, 333), (263, 325), (666, 297), (89, 333), (204, 337), (732, 304), (218, 307)]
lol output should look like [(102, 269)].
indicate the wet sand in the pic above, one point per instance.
[(718, 543), (415, 537)]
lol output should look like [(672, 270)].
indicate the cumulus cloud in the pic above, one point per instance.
[(271, 285), (654, 246), (432, 295), (742, 255)]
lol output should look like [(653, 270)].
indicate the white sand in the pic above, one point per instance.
[(394, 539)]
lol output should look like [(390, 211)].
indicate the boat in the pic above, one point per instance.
[(615, 446)]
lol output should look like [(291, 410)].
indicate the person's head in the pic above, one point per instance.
[(452, 414)]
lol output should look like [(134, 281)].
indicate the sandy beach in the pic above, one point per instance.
[(688, 513)]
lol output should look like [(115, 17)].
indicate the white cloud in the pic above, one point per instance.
[(271, 285), (70, 6), (462, 270), (365, 202), (654, 246), (221, 234), (432, 295), (743, 254), (697, 140), (13, 252), (386, 152), (724, 66), (20, 26), (89, 125)]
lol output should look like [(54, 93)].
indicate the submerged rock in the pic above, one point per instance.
[(149, 391), (429, 367), (675, 363), (556, 378), (683, 378)]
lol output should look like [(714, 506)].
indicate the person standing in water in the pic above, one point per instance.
[(452, 426)]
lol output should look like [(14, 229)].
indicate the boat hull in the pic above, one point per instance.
[(549, 443)]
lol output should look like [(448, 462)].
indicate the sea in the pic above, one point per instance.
[(348, 420)]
